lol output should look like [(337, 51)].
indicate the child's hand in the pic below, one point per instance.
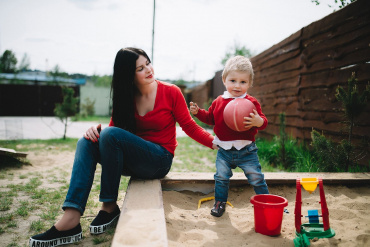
[(253, 121), (194, 108)]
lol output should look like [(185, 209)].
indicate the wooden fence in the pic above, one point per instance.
[(300, 75)]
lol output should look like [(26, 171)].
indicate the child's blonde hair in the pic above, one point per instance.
[(240, 64)]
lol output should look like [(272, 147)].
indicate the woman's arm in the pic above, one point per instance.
[(187, 123)]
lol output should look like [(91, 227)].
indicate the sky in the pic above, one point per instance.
[(190, 36)]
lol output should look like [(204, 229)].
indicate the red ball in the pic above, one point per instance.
[(235, 111)]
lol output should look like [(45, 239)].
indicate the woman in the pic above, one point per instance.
[(139, 142)]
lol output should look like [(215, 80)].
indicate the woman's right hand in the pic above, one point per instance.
[(93, 133)]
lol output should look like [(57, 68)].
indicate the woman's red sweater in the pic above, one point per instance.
[(159, 125)]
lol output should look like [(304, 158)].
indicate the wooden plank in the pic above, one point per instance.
[(12, 152), (338, 57), (270, 177), (262, 78), (264, 56), (336, 76), (340, 17), (142, 221), (281, 57), (328, 45)]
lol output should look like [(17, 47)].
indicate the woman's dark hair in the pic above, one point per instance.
[(123, 88)]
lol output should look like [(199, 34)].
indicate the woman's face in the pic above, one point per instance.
[(144, 73)]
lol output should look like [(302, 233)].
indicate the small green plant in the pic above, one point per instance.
[(282, 138), (329, 155), (37, 226), (354, 105), (5, 218), (5, 203), (67, 108), (12, 224), (23, 209), (99, 240)]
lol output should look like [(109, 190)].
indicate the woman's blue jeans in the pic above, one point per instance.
[(245, 158), (120, 153)]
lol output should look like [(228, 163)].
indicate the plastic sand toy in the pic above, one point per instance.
[(313, 229), (209, 199)]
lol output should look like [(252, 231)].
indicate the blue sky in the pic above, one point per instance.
[(191, 36)]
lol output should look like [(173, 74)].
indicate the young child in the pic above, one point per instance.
[(236, 149)]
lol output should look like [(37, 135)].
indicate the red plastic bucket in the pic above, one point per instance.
[(268, 213)]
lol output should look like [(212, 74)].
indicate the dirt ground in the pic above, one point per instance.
[(53, 169)]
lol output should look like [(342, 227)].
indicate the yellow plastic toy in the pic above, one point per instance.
[(309, 184), (209, 199)]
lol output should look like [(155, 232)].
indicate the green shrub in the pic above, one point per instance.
[(88, 108)]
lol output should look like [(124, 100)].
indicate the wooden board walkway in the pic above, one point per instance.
[(142, 220), (12, 152)]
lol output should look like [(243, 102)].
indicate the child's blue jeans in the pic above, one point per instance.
[(120, 153), (248, 161)]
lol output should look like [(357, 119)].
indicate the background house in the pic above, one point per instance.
[(33, 93)]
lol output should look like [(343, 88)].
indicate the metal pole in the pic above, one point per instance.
[(153, 32)]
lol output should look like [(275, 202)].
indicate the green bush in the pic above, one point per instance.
[(297, 157), (88, 108)]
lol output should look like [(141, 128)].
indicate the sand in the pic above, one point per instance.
[(349, 210)]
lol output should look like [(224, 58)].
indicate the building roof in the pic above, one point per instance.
[(40, 76)]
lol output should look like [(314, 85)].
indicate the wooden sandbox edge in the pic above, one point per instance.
[(270, 177)]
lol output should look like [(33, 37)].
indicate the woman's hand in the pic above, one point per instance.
[(93, 133), (194, 108), (253, 121), (214, 146)]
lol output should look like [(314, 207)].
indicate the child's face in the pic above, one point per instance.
[(237, 83)]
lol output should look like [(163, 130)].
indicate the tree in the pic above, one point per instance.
[(25, 63), (236, 50), (102, 81), (8, 62), (342, 3), (67, 108), (353, 104)]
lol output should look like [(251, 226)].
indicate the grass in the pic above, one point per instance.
[(38, 145), (98, 119)]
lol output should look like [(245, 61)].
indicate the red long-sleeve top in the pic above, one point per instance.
[(159, 125), (214, 116)]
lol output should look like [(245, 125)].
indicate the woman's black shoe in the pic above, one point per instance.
[(53, 237), (104, 221)]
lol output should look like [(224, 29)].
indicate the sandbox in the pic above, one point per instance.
[(347, 196)]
